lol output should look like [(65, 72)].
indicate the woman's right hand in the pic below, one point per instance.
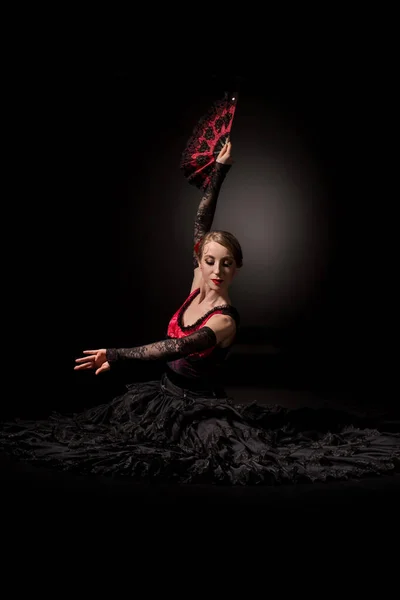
[(224, 156), (94, 359)]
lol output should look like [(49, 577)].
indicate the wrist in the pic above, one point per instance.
[(223, 167), (111, 355)]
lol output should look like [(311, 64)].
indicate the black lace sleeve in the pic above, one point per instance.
[(208, 204), (169, 349)]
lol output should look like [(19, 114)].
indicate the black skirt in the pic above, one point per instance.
[(159, 431)]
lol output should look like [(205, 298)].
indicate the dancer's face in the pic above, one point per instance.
[(217, 265)]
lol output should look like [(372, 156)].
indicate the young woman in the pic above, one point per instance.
[(203, 329), (183, 427)]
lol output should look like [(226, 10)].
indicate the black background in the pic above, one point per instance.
[(102, 219)]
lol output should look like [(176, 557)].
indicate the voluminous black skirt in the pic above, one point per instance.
[(157, 431)]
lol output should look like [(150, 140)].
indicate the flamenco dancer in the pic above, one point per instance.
[(183, 427)]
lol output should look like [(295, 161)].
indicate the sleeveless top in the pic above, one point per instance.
[(202, 368)]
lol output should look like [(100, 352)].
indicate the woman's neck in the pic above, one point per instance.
[(211, 297)]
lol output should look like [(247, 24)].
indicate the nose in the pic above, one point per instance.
[(217, 270)]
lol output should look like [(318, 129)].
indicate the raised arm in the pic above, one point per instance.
[(208, 203)]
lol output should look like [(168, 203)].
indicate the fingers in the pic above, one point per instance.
[(223, 149), (226, 148), (91, 361), (84, 366), (86, 359), (86, 362), (104, 367), (91, 365)]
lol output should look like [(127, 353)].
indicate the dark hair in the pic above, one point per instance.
[(225, 239)]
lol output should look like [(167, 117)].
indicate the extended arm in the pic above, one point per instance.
[(222, 327), (169, 349)]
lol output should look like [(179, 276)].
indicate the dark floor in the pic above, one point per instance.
[(45, 487)]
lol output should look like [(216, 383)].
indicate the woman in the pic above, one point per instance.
[(184, 428), (204, 328)]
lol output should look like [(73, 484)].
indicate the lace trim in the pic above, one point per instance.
[(228, 307)]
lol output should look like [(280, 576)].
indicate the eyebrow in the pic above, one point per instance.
[(223, 258)]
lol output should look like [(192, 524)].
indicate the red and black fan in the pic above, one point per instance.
[(206, 141)]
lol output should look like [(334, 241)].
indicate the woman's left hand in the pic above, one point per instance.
[(94, 359), (224, 155)]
